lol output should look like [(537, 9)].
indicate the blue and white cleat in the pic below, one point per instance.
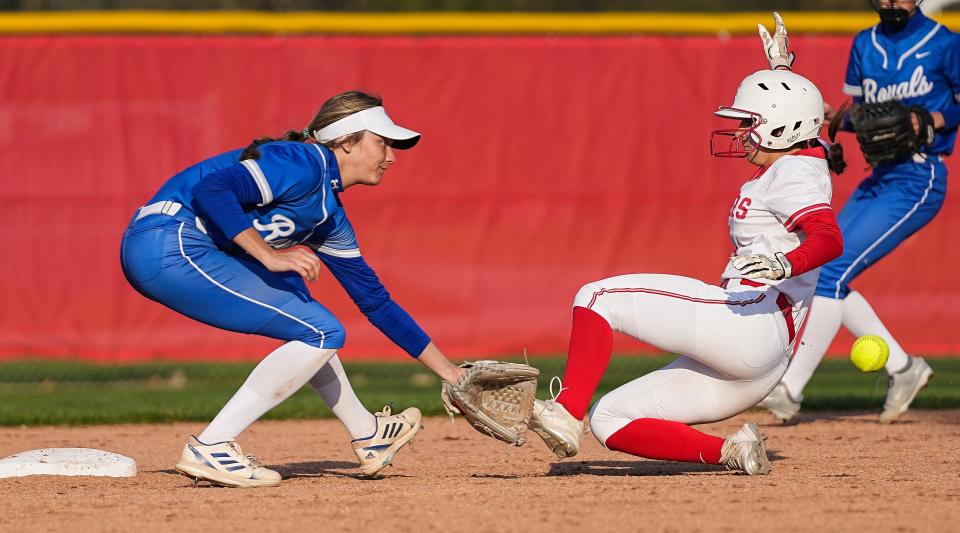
[(224, 463), (393, 432)]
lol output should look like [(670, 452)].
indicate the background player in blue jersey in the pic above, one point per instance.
[(913, 59), (230, 241)]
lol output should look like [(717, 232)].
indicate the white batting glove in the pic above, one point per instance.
[(777, 47), (763, 266)]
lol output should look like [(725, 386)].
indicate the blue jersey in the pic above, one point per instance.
[(179, 249), (298, 185), (919, 65)]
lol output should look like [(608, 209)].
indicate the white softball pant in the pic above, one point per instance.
[(735, 343)]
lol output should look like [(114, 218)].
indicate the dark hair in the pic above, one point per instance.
[(334, 109), (835, 151)]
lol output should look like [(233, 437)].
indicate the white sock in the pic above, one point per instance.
[(278, 376), (332, 384), (862, 320), (822, 325)]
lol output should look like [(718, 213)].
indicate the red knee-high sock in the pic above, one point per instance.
[(591, 343), (663, 439)]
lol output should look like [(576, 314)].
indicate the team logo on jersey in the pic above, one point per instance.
[(741, 206), (918, 85), (279, 226)]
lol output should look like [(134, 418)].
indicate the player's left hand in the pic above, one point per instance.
[(777, 46), (763, 266), (923, 125), (299, 259)]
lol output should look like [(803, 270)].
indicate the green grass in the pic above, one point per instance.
[(56, 392)]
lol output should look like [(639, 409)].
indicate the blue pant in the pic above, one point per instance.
[(169, 260), (886, 208)]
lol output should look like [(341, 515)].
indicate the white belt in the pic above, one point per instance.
[(165, 207)]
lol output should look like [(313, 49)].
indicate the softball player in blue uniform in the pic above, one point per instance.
[(230, 241), (913, 59)]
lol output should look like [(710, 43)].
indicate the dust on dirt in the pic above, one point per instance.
[(834, 471)]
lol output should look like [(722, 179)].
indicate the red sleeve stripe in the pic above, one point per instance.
[(791, 222)]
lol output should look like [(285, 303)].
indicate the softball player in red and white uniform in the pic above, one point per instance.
[(735, 338)]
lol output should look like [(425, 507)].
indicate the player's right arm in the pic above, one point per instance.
[(852, 84), (220, 198), (371, 297), (853, 79), (339, 251)]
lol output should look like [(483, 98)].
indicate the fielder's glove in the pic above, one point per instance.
[(763, 266), (885, 130), (495, 397), (777, 46)]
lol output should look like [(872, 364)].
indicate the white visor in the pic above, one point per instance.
[(374, 120), (728, 112)]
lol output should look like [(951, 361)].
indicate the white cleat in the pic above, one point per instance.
[(780, 404), (903, 388), (560, 430), (744, 451), (224, 463), (393, 432)]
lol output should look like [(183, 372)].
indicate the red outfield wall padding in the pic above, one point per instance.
[(546, 162)]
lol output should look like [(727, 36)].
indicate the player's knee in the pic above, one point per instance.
[(330, 335), (603, 422), (587, 297)]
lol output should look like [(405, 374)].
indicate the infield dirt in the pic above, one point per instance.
[(834, 471)]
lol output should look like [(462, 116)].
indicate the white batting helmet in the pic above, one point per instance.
[(785, 108)]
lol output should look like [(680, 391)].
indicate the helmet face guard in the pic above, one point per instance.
[(731, 142)]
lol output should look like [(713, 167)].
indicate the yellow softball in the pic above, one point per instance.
[(869, 353)]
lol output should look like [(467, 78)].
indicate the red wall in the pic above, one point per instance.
[(546, 162)]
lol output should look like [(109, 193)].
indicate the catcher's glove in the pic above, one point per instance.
[(495, 397), (885, 131)]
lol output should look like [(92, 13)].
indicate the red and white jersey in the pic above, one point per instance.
[(764, 218)]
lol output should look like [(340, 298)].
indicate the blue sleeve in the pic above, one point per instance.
[(852, 82), (340, 240), (286, 171), (219, 198), (951, 69), (951, 117), (373, 300)]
